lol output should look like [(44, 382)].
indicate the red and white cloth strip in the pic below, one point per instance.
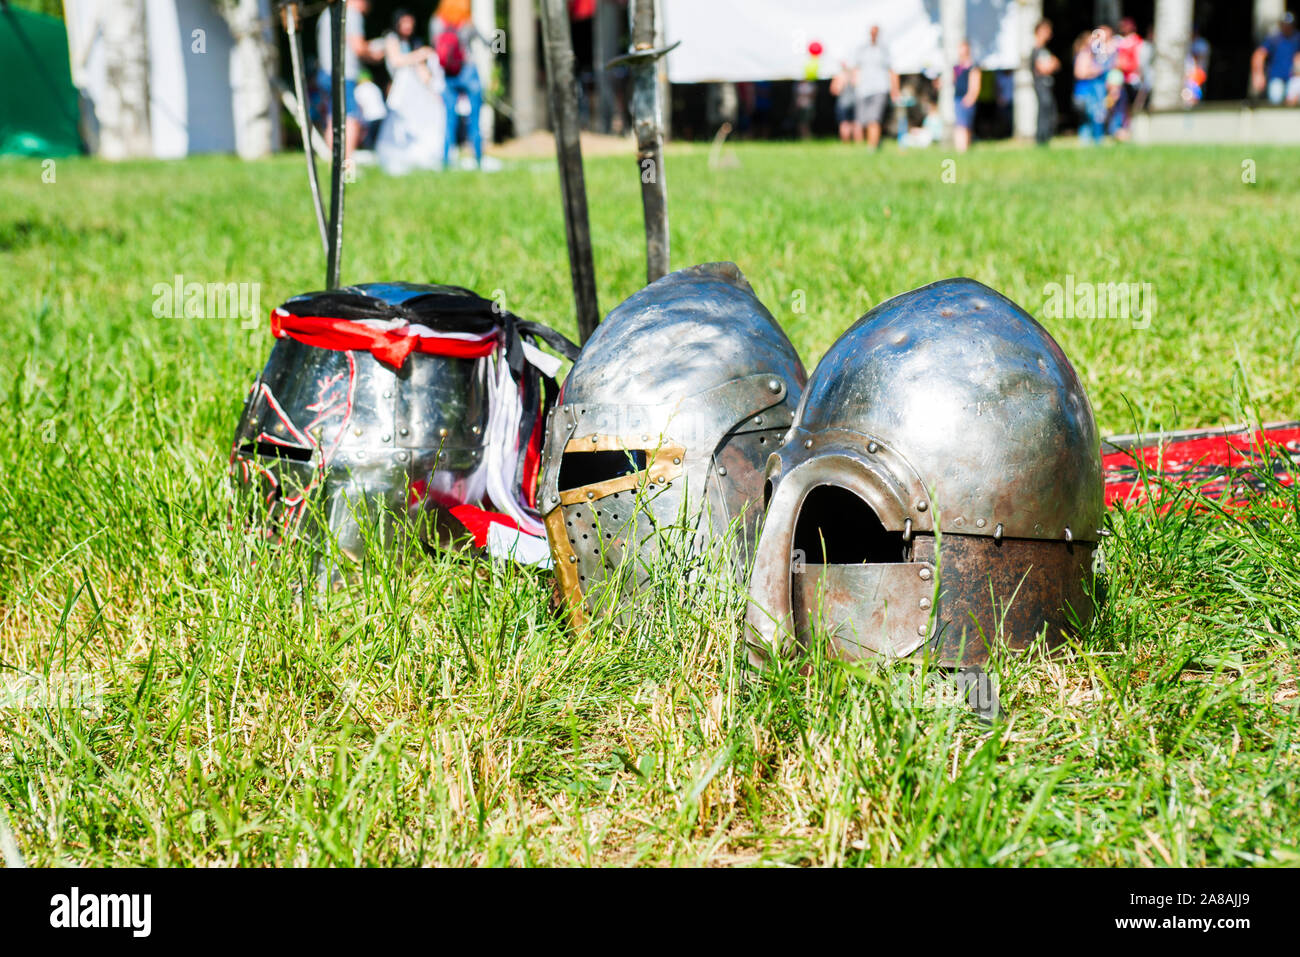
[(388, 340), (502, 536), (516, 531)]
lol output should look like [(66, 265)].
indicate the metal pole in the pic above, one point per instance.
[(604, 40), (648, 122), (338, 117), (292, 14), (562, 91)]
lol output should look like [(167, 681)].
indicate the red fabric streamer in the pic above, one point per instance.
[(479, 520), (390, 346), (1221, 466)]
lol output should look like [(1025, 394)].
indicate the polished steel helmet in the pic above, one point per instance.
[(396, 399), (662, 427), (940, 489)]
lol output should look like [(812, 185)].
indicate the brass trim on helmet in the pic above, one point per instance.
[(566, 566), (672, 456)]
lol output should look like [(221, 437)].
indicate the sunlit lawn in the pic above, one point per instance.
[(438, 710)]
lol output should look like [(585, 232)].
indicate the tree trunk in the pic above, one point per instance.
[(1173, 34), (523, 66), (952, 29), (123, 110), (253, 59), (1267, 14), (1024, 110)]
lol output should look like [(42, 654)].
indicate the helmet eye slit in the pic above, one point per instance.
[(580, 469)]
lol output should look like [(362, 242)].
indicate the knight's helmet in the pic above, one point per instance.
[(663, 424), (391, 399), (941, 486)]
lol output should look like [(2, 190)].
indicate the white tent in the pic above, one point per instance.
[(738, 40)]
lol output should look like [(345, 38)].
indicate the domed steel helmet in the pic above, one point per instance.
[(663, 423), (391, 399), (941, 486)]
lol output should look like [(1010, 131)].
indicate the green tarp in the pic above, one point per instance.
[(38, 103)]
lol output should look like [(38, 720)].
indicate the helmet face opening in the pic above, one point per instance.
[(655, 452), (939, 492)]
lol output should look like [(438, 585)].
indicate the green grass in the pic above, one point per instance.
[(437, 711)]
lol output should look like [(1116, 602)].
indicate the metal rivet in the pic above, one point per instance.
[(595, 439), (774, 385), (758, 420), (807, 443), (386, 438), (388, 395), (873, 447), (573, 559), (1069, 535), (677, 461), (555, 500), (356, 431), (922, 505), (997, 533), (925, 604), (645, 438), (980, 522), (591, 495), (405, 431), (921, 630), (722, 470), (476, 429), (401, 456), (925, 574)]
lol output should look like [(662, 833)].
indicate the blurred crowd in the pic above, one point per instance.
[(1110, 69), (433, 99)]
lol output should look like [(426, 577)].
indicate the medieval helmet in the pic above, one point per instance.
[(390, 399), (941, 486), (664, 422)]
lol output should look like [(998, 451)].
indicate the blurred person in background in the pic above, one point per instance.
[(454, 35), (404, 49), (1089, 90), (805, 93), (356, 50), (1273, 62), (413, 133), (1195, 69), (846, 104), (1044, 66), (1128, 60), (875, 84), (966, 78), (1105, 53)]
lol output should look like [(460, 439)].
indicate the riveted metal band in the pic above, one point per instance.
[(566, 567)]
